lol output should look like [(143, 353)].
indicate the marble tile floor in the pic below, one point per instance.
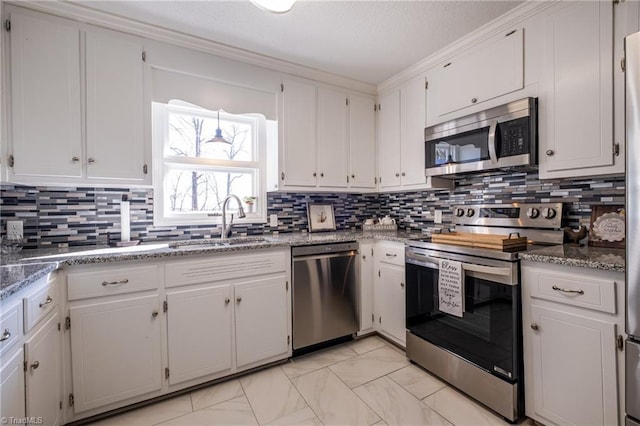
[(364, 382)]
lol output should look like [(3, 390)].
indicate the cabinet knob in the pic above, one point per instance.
[(364, 257), (474, 100), (550, 152), (238, 299), (397, 174), (315, 174), (35, 365), (154, 314), (91, 160), (74, 159), (321, 174), (403, 174), (534, 327), (402, 285), (226, 301), (353, 176)]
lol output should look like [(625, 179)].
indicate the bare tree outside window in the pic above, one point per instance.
[(202, 188)]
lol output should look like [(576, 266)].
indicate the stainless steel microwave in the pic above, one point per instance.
[(501, 137)]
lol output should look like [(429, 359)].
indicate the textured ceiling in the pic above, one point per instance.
[(367, 41)]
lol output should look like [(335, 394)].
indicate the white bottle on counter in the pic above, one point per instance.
[(125, 219)]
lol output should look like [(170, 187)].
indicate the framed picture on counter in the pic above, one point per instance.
[(607, 226), (320, 217)]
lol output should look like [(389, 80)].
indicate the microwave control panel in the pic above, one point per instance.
[(514, 137)]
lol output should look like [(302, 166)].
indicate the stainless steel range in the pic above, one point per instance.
[(463, 303)]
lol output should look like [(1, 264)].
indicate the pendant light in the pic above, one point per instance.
[(275, 6), (218, 137)]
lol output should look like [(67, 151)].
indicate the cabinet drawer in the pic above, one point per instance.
[(39, 304), (224, 268), (596, 294), (105, 282), (391, 253), (10, 327)]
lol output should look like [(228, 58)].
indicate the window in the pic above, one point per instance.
[(193, 175)]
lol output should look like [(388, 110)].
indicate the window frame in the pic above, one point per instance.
[(163, 163)]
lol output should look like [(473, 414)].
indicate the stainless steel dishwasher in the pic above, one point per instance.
[(325, 292)]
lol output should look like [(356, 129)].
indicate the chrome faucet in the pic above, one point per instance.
[(226, 229)]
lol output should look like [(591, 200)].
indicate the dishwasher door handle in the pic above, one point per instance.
[(325, 256)]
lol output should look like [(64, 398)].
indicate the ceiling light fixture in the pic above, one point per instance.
[(275, 6), (218, 137)]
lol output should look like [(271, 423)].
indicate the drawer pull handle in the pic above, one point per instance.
[(567, 290), (5, 335), (391, 255), (46, 302), (35, 365), (106, 283)]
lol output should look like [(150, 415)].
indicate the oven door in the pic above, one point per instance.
[(489, 332)]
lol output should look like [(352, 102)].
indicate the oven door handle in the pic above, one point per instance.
[(492, 270), (493, 152)]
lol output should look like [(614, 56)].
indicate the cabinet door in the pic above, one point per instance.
[(201, 319), (412, 123), (12, 386), (116, 351), (576, 106), (45, 97), (391, 301), (115, 141), (261, 319), (389, 140), (574, 368), (43, 379), (332, 148), (299, 134), (491, 69), (362, 142), (366, 286)]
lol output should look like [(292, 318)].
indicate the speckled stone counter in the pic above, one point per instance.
[(588, 257), (26, 267), (16, 277)]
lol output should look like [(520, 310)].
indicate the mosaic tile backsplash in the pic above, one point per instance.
[(75, 216)]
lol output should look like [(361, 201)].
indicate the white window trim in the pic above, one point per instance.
[(160, 138)]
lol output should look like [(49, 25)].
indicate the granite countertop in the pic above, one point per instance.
[(23, 268), (14, 278), (609, 259)]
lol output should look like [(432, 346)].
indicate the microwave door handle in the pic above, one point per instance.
[(493, 127), (492, 270)]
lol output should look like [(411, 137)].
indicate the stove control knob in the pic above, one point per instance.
[(548, 213), (533, 212), (470, 212), (459, 212)]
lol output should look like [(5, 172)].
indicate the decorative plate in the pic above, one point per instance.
[(609, 227)]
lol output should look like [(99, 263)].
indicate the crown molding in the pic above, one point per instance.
[(514, 16), (83, 14)]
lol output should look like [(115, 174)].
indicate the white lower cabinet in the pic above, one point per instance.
[(12, 401), (206, 314), (116, 350), (139, 330), (261, 320), (43, 373), (573, 319), (390, 291)]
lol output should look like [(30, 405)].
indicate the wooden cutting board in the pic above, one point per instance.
[(490, 241)]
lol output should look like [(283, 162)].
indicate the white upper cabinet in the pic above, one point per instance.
[(389, 140), (401, 139), (327, 140), (298, 151), (484, 72), (362, 137), (332, 145), (114, 69), (45, 98), (576, 101), (76, 104)]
